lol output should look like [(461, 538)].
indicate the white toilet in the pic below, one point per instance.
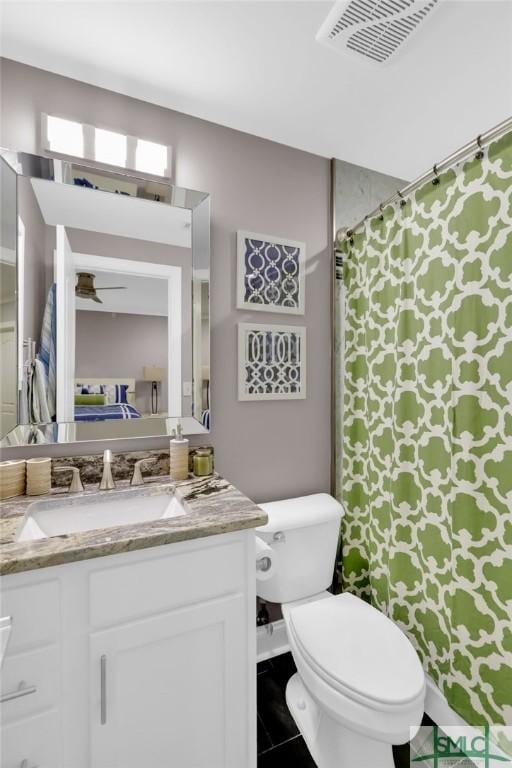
[(360, 686)]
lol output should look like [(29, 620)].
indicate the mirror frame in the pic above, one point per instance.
[(57, 169)]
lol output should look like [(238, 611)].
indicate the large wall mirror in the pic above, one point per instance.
[(104, 304)]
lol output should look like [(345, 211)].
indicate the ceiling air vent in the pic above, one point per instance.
[(375, 29)]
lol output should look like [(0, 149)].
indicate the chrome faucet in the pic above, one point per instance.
[(107, 481), (137, 478), (76, 485)]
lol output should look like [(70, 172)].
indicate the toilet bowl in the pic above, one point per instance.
[(359, 686)]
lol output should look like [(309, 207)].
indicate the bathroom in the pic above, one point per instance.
[(256, 506)]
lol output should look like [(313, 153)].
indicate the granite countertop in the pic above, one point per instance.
[(213, 506)]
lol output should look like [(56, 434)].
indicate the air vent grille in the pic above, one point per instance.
[(373, 28)]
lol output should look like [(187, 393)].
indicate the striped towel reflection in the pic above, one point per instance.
[(47, 349)]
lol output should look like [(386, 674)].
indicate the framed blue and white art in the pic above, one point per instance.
[(271, 362), (271, 274)]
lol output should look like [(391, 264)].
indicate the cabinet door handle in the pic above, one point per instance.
[(22, 690), (103, 689)]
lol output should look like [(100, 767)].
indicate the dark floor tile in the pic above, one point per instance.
[(292, 754), (284, 667), (263, 666), (402, 756), (277, 728), (272, 708), (426, 720), (263, 738)]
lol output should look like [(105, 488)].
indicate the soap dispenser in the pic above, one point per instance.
[(179, 455)]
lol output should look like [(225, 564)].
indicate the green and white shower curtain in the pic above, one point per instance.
[(427, 427)]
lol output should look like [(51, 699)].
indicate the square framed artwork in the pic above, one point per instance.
[(271, 362), (271, 274)]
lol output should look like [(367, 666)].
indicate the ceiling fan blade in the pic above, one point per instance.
[(113, 288), (87, 295)]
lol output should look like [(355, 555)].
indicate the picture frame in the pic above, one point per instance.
[(271, 273), (271, 362)]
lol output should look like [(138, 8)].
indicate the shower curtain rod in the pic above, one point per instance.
[(431, 175)]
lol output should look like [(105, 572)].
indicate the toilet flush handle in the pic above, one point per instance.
[(279, 536)]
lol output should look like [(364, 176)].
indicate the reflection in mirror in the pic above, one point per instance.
[(8, 306), (113, 306)]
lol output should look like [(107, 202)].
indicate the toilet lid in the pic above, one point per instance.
[(356, 648)]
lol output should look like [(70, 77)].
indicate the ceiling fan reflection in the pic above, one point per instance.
[(85, 288)]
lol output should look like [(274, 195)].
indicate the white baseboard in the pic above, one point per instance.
[(272, 640), (438, 709)]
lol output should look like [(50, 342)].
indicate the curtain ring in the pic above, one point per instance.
[(436, 179), (340, 235), (381, 209), (479, 155), (403, 201)]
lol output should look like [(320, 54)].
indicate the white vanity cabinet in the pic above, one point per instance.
[(140, 659), (167, 684)]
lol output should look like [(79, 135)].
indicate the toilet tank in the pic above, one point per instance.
[(303, 533)]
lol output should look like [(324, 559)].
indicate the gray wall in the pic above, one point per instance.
[(116, 345), (358, 191), (38, 269), (269, 450), (8, 207)]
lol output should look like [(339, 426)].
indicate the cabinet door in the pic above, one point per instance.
[(171, 691), (33, 742)]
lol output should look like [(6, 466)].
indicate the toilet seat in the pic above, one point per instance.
[(357, 651)]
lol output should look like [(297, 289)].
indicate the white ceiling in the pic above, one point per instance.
[(256, 66)]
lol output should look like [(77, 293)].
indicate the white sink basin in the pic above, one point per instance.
[(104, 510)]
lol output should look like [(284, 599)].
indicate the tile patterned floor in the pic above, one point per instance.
[(279, 743)]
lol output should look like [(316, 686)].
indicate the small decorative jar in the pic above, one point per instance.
[(12, 478), (39, 476), (203, 462)]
